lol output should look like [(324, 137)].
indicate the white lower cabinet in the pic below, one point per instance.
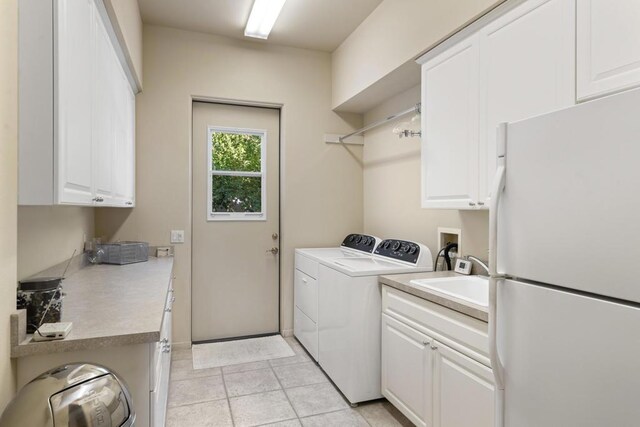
[(463, 390), (430, 382), (161, 367), (407, 370)]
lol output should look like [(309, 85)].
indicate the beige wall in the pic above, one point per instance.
[(8, 187), (48, 235), (126, 16), (392, 188), (321, 184), (395, 33)]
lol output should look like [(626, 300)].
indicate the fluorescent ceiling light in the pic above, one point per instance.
[(263, 15)]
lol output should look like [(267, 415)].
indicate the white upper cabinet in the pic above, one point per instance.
[(450, 89), (519, 65), (76, 137), (73, 38), (104, 114), (608, 46), (526, 71)]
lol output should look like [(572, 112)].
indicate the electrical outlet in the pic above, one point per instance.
[(177, 236)]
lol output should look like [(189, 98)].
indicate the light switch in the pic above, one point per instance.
[(177, 236)]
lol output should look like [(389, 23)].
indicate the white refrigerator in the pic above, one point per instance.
[(565, 267)]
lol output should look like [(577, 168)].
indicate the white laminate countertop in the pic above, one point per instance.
[(403, 282), (109, 305)]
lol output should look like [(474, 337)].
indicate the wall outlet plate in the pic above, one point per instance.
[(463, 266), (177, 236), (163, 251)]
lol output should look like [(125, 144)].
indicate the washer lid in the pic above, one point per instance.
[(328, 254), (372, 266)]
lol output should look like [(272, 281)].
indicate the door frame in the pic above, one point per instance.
[(238, 103)]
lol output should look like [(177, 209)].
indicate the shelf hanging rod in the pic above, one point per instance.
[(415, 109)]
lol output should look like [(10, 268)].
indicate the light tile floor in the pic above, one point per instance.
[(290, 391)]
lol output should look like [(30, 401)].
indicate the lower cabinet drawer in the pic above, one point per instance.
[(306, 330), (306, 294), (463, 333)]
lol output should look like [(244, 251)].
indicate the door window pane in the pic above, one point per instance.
[(236, 193), (236, 187), (236, 152)]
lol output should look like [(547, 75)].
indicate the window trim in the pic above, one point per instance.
[(237, 216)]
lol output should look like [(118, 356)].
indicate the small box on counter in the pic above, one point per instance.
[(121, 253)]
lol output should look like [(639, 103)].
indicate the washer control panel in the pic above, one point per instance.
[(361, 242), (399, 249)]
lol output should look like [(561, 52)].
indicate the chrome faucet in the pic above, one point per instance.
[(479, 262)]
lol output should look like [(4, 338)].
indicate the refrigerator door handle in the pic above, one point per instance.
[(494, 277)]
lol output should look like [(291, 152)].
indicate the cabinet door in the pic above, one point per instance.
[(525, 71), (407, 370), (450, 127), (608, 46), (104, 119), (124, 165), (73, 77), (463, 390), (129, 145)]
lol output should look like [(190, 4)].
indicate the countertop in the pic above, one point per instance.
[(403, 283), (109, 305)]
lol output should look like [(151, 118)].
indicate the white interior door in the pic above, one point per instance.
[(235, 264)]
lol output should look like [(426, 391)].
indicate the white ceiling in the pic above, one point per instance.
[(310, 24)]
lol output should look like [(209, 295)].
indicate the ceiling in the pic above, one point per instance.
[(310, 24)]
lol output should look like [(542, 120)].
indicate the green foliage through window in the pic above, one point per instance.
[(236, 152), (232, 152)]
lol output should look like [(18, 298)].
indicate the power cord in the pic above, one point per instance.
[(438, 257)]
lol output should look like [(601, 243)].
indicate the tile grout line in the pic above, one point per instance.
[(226, 393), (284, 391)]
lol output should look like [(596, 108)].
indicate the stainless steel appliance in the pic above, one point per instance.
[(78, 395)]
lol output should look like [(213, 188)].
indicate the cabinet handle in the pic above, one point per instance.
[(472, 203), (164, 341), (129, 203), (166, 348), (173, 299), (480, 203), (425, 343), (168, 310), (434, 347), (304, 280)]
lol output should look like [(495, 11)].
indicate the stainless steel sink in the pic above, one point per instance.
[(474, 289)]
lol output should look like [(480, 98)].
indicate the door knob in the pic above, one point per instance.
[(274, 236), (274, 251)]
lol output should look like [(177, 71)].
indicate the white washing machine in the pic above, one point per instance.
[(307, 262), (349, 314)]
